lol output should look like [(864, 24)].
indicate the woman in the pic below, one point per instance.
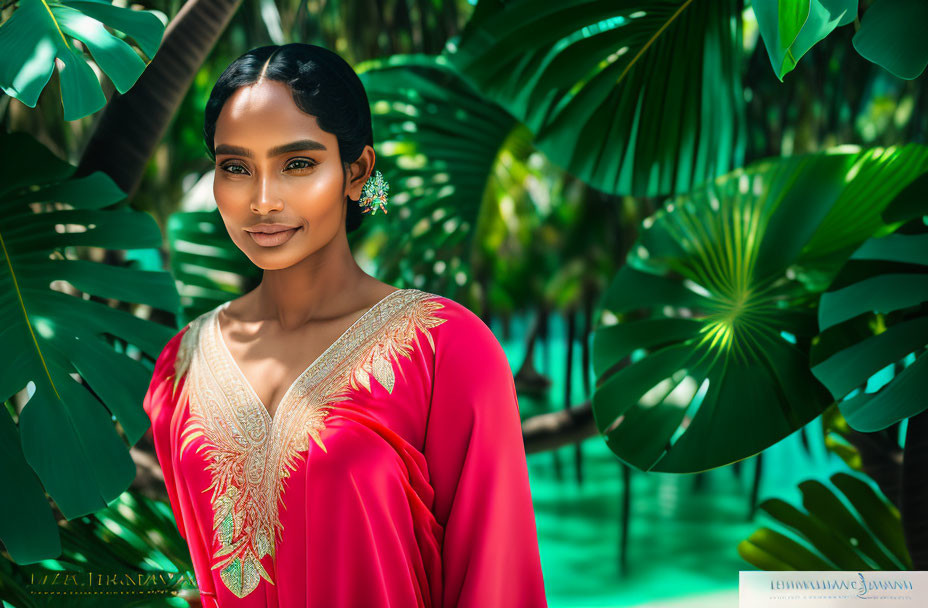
[(391, 470)]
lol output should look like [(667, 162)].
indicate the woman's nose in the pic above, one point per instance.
[(265, 197)]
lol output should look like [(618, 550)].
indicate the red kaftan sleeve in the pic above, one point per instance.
[(159, 404), (477, 467)]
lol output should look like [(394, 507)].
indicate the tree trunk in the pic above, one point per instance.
[(546, 432), (132, 125)]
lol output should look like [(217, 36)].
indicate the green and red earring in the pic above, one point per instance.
[(374, 194)]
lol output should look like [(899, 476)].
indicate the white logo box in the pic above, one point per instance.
[(833, 589)]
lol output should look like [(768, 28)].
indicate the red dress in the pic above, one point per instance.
[(393, 472)]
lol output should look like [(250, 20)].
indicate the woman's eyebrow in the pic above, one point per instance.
[(294, 146)]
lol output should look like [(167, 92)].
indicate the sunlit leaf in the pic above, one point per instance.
[(709, 363), (637, 97), (61, 347), (438, 141), (41, 31)]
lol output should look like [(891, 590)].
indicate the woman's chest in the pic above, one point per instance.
[(379, 369), (358, 412)]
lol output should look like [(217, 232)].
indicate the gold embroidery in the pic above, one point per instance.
[(251, 454), (185, 349)]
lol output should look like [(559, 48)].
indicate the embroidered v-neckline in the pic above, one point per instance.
[(248, 454), (266, 414)]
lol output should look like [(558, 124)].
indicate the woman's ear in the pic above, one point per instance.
[(359, 171)]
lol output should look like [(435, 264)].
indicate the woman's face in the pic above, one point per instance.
[(274, 165)]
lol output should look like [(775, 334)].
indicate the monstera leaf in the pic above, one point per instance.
[(43, 31), (874, 319), (439, 142), (790, 28), (638, 97), (133, 534), (61, 347), (709, 362), (867, 536), (209, 267)]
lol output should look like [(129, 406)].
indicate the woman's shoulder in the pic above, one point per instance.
[(449, 308), (471, 372), (458, 317), (463, 331)]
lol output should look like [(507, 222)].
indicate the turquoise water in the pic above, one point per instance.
[(683, 532)]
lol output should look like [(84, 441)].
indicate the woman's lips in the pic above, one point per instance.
[(273, 239)]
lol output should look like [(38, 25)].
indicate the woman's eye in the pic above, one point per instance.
[(300, 163), (296, 164), (227, 166)]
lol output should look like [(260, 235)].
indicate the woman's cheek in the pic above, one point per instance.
[(227, 195)]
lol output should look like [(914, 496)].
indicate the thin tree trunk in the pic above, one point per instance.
[(626, 517), (755, 486), (547, 432), (131, 126), (568, 384)]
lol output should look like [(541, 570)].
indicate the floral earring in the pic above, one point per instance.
[(374, 194)]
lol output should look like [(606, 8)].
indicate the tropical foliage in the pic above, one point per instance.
[(727, 279), (828, 535), (72, 437), (133, 534), (754, 237), (40, 33), (616, 93), (889, 34), (873, 318)]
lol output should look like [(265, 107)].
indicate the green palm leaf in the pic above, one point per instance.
[(866, 536), (134, 534), (710, 362), (438, 141), (873, 319), (209, 267), (65, 438), (41, 31), (631, 96)]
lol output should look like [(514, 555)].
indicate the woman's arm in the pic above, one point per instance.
[(477, 467), (159, 405)]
